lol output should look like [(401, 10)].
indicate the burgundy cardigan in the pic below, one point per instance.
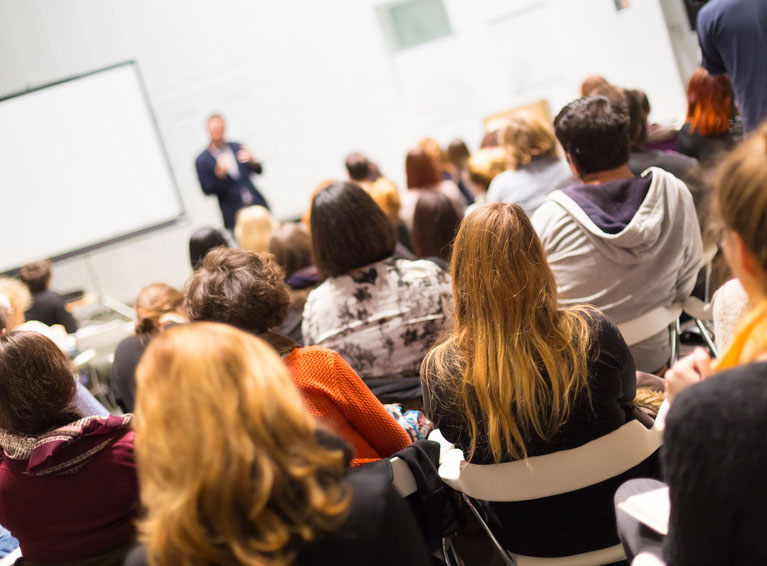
[(72, 495)]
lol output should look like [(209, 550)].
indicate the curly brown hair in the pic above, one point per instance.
[(241, 288)]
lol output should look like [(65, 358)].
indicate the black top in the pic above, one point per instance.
[(703, 148), (48, 308), (582, 520), (675, 163), (122, 376), (716, 466), (379, 531)]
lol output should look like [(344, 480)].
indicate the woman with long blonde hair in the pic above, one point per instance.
[(518, 376), (233, 470)]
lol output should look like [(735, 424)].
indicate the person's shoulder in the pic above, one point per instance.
[(726, 399)]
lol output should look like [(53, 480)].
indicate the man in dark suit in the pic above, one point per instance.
[(224, 170)]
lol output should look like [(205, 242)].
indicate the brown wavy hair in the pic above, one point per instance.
[(522, 359), (229, 462), (153, 302), (244, 289)]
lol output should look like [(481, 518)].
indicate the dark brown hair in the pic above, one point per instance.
[(435, 223), (358, 166), (201, 242), (36, 275), (291, 246), (594, 131), (420, 170), (152, 303), (37, 385), (457, 152), (349, 229), (241, 288)]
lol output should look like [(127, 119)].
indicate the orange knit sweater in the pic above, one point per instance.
[(335, 394)]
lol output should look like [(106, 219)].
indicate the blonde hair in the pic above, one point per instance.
[(522, 360), (525, 136), (254, 228), (485, 164), (386, 195), (741, 193), (230, 466), (17, 293)]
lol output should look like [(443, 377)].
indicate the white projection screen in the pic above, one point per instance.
[(82, 165)]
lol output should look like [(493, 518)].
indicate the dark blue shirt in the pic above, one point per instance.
[(733, 41)]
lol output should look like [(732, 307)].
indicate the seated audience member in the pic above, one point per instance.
[(713, 453), (358, 168), (47, 306), (592, 83), (386, 195), (534, 167), (202, 241), (422, 175), (484, 165), (274, 488), (626, 244), (447, 169), (382, 314), (68, 489), (458, 155), (157, 306), (248, 291), (14, 301), (490, 140), (435, 224), (291, 246), (254, 228), (636, 106), (706, 132), (20, 299), (502, 395)]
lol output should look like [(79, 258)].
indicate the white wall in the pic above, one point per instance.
[(305, 82)]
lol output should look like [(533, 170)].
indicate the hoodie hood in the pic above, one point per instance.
[(624, 219), (65, 449)]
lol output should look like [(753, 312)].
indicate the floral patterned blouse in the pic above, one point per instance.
[(381, 318)]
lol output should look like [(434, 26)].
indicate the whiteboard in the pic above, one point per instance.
[(82, 165)]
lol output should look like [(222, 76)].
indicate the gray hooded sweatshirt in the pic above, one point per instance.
[(626, 247)]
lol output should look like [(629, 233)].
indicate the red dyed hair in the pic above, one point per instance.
[(709, 101), (420, 170)]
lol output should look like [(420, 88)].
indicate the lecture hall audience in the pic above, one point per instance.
[(248, 291), (273, 486), (713, 455), (255, 449)]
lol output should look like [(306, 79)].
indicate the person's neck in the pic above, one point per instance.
[(599, 177), (220, 145)]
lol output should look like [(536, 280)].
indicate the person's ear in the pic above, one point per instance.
[(573, 166)]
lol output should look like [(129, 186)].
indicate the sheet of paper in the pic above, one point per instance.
[(651, 508)]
